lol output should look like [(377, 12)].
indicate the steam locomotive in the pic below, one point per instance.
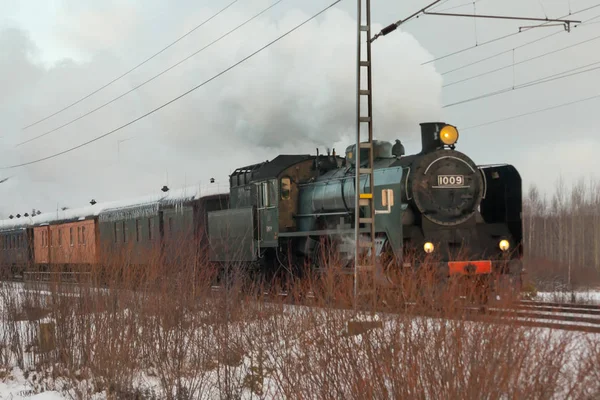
[(436, 203)]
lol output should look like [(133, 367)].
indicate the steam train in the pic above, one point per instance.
[(280, 215)]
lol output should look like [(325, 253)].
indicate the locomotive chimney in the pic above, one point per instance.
[(430, 136)]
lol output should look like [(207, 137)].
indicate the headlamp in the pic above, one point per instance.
[(449, 135), (428, 247), (504, 245)]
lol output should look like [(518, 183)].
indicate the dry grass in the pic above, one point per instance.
[(160, 331)]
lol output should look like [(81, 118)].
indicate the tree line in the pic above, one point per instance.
[(561, 234)]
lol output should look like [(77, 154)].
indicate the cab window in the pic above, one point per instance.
[(272, 187), (262, 194), (285, 188)]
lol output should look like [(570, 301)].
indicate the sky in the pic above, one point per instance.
[(295, 96)]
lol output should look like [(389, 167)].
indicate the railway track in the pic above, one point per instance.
[(553, 315), (566, 316), (554, 305)]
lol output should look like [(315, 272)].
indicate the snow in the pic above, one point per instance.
[(144, 205), (576, 297), (16, 387), (289, 340)]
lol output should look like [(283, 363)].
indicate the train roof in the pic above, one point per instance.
[(276, 166), (118, 209)]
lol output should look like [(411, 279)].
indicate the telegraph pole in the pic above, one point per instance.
[(364, 210)]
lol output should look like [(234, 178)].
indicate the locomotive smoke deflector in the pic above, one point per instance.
[(436, 135)]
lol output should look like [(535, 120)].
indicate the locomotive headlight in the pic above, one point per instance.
[(504, 245), (449, 135), (428, 247)]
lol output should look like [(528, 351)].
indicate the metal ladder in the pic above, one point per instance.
[(364, 201)]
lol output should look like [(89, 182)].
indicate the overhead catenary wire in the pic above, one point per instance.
[(439, 4), (538, 81), (393, 26), (585, 23), (470, 3), (132, 69), (588, 20), (499, 54), (532, 112), (500, 38), (475, 16), (470, 48), (521, 62), (543, 8), (150, 79), (175, 98)]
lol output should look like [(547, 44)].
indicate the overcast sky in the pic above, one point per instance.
[(293, 97)]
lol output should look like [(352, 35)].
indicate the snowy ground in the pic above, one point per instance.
[(14, 386), (287, 341)]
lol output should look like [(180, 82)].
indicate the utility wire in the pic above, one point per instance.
[(149, 80), (501, 37), (585, 23), (132, 69), (176, 98), (530, 83), (521, 62), (532, 112)]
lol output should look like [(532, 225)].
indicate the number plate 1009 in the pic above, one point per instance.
[(450, 180)]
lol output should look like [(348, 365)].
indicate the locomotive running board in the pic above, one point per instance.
[(324, 232)]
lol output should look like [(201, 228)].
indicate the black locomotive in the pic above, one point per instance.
[(436, 203)]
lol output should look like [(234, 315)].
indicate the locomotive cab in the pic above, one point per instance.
[(264, 204)]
